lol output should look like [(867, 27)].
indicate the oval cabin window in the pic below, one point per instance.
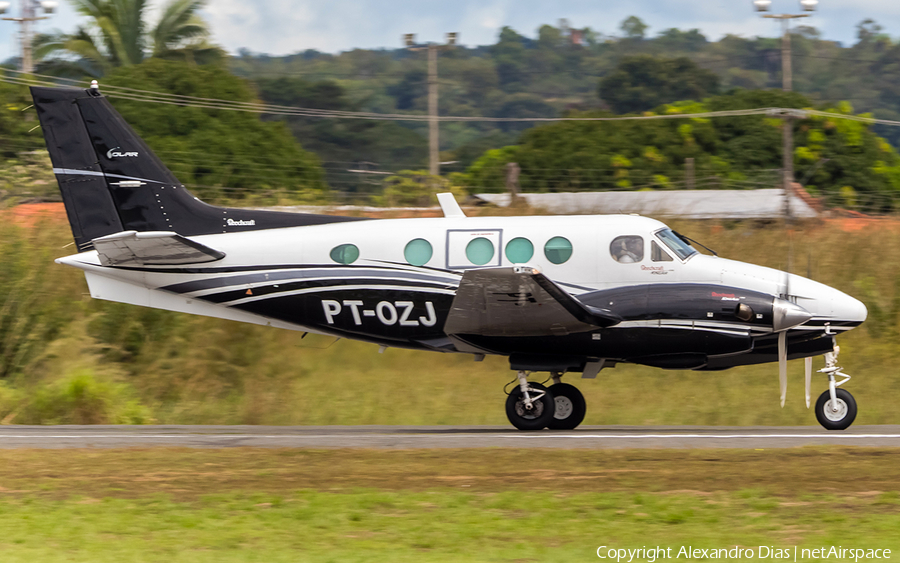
[(558, 250), (345, 254), (418, 252), (480, 251), (519, 250)]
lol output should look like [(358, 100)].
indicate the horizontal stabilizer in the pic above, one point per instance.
[(154, 248), (519, 301)]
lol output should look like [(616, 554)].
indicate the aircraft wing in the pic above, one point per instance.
[(519, 301), (158, 248)]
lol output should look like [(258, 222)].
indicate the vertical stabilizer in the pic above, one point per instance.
[(112, 182)]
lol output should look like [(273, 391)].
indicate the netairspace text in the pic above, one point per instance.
[(793, 553)]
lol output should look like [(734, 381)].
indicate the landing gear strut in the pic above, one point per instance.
[(835, 408), (529, 406)]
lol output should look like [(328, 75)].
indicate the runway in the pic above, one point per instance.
[(424, 437)]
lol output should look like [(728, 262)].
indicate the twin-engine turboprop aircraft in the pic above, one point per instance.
[(553, 294)]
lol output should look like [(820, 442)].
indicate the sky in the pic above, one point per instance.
[(281, 27)]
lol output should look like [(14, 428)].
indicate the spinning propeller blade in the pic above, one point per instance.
[(788, 315), (782, 364), (808, 365)]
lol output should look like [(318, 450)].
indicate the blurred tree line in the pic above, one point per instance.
[(842, 160), (562, 71), (561, 68)]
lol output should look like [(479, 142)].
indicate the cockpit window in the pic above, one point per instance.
[(681, 249), (657, 254), (627, 249)]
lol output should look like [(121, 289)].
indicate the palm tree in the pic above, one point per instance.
[(117, 34)]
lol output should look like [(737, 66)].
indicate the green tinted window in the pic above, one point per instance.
[(345, 254), (558, 250), (418, 252), (479, 251), (519, 250)]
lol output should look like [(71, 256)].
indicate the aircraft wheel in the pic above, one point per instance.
[(538, 417), (836, 417), (570, 407)]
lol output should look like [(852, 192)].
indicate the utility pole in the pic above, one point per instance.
[(434, 161), (787, 85), (29, 11)]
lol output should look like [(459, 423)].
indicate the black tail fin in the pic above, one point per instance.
[(111, 181)]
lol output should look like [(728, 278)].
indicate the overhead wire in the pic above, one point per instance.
[(134, 94)]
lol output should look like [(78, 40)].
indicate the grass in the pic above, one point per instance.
[(462, 505)]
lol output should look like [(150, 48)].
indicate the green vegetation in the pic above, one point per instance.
[(449, 505), (218, 154), (734, 152), (118, 35), (221, 155), (227, 155), (60, 351), (558, 68), (343, 144), (643, 82)]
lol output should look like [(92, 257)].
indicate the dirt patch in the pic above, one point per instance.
[(189, 474)]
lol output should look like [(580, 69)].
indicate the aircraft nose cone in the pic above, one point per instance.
[(788, 315), (847, 308)]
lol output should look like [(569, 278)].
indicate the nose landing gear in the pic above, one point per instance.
[(835, 408)]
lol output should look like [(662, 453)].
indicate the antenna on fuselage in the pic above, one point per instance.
[(449, 205)]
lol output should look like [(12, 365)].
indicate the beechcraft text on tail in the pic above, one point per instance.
[(562, 295)]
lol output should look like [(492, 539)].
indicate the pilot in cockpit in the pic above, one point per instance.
[(626, 251)]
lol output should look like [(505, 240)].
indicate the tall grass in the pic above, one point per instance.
[(65, 358)]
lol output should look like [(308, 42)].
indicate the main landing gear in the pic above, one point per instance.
[(531, 406), (835, 408)]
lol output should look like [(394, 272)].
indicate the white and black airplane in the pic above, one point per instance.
[(553, 294)]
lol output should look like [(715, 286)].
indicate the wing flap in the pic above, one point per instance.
[(155, 248), (519, 301)]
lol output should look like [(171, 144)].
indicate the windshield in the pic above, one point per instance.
[(682, 249)]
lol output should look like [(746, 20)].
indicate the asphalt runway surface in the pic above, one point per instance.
[(424, 437)]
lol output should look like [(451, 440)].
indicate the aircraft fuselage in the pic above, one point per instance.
[(393, 283)]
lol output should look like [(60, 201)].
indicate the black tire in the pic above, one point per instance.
[(846, 410), (538, 417), (570, 407)]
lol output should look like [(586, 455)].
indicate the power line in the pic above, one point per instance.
[(137, 95)]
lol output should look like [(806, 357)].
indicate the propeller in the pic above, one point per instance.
[(782, 364), (782, 336), (808, 374), (787, 315)]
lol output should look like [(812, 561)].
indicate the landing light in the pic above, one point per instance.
[(3, 7), (49, 6), (809, 5), (762, 5)]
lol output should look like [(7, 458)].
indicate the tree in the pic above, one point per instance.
[(340, 143), (676, 40), (509, 54), (117, 34), (633, 27), (643, 82), (831, 155), (216, 151)]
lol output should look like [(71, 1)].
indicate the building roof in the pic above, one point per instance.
[(691, 204)]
